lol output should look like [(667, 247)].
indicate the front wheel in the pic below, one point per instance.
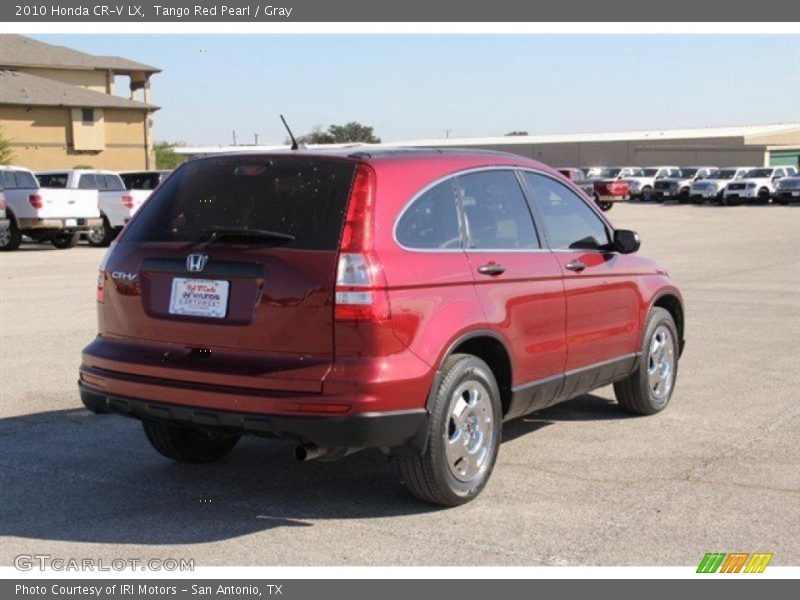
[(648, 389), (464, 431), (183, 444), (63, 241)]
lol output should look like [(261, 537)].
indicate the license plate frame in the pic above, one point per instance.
[(203, 298)]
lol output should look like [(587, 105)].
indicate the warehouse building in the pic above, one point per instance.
[(719, 146), (59, 107)]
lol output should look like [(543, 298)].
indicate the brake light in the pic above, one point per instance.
[(360, 284), (36, 201), (127, 202), (101, 287)]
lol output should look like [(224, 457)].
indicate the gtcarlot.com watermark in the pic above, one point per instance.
[(42, 562)]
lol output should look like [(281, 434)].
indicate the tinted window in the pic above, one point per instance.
[(301, 196), (24, 179), (431, 221), (141, 181), (109, 183), (53, 180), (88, 182), (496, 213), (569, 222)]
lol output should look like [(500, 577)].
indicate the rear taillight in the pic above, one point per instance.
[(360, 284), (101, 286), (3, 204), (127, 202), (36, 201)]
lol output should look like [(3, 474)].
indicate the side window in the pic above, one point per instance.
[(495, 211), (26, 180), (114, 183), (88, 182), (431, 222), (9, 180), (567, 219)]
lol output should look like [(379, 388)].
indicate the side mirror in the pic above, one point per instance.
[(626, 241)]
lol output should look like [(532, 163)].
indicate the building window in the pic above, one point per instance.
[(87, 116)]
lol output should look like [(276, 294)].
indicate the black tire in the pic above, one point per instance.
[(64, 241), (782, 201), (605, 206), (188, 445), (10, 238), (429, 477), (647, 193), (730, 201), (763, 197), (636, 394), (101, 236)]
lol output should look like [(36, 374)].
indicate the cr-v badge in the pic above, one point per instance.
[(196, 262)]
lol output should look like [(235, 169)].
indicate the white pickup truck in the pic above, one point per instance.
[(757, 185), (117, 205), (58, 216)]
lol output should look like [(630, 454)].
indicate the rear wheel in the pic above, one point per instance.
[(464, 433), (648, 390), (62, 241), (188, 445), (101, 235), (763, 196), (605, 206), (10, 237), (647, 193)]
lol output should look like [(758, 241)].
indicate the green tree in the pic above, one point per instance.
[(6, 153), (514, 133), (341, 134), (166, 157)]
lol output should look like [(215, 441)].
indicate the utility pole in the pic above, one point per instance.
[(255, 135), (234, 137), (447, 133)]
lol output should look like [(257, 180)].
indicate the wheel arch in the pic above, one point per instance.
[(671, 301), (491, 348)]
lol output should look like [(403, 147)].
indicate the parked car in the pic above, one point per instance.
[(787, 190), (607, 174), (677, 186), (116, 203), (4, 222), (641, 181), (757, 185), (607, 192), (407, 300), (44, 214), (713, 186)]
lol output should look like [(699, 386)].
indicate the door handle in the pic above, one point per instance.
[(575, 265), (491, 269)]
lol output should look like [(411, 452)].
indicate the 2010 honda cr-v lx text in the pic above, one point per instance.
[(408, 300)]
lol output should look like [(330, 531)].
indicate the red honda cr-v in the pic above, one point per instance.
[(409, 300)]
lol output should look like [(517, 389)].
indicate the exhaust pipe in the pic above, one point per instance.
[(306, 452)]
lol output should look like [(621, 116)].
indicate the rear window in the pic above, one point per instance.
[(52, 180), (141, 181), (110, 183), (19, 179), (87, 182), (305, 197)]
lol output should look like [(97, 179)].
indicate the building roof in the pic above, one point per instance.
[(29, 90), (744, 131), (21, 51)]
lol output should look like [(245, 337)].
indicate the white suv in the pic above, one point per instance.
[(757, 185), (712, 187)]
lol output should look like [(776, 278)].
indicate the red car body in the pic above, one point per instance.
[(290, 360)]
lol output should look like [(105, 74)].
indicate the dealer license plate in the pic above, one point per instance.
[(199, 298)]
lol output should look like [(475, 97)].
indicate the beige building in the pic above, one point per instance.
[(59, 108)]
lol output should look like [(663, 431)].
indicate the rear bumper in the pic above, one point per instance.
[(395, 429), (77, 224)]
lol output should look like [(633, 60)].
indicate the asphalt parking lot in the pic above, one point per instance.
[(581, 483)]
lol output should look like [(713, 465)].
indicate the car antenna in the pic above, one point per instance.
[(291, 135)]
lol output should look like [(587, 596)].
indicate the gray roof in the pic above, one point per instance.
[(30, 90), (21, 51)]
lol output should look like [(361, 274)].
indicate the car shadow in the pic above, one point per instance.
[(70, 475)]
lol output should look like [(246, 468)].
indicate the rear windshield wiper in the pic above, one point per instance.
[(213, 234)]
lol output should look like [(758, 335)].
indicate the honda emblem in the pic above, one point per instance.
[(196, 262)]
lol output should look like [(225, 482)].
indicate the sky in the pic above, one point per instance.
[(422, 86)]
